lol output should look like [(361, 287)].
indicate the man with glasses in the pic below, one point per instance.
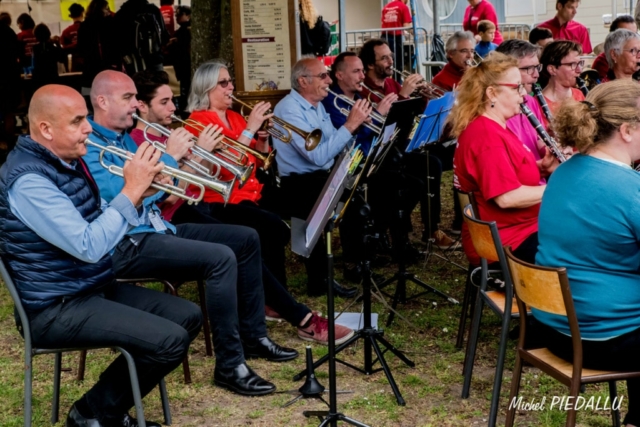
[(563, 27), (460, 48), (303, 173), (529, 66)]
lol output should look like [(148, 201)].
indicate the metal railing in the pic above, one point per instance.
[(508, 30)]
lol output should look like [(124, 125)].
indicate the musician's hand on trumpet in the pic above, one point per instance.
[(179, 143), (260, 114), (410, 84), (141, 171), (359, 114), (384, 106), (210, 137)]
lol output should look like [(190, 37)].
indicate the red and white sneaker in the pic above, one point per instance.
[(318, 331)]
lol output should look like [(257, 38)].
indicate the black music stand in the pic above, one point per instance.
[(373, 338), (304, 236)]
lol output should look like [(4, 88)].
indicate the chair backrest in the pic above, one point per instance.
[(545, 289), (467, 199), (15, 296), (484, 235)]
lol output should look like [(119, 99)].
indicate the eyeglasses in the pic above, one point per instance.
[(321, 76), (224, 83), (530, 69), (465, 51), (385, 58), (633, 51), (519, 87), (573, 65)]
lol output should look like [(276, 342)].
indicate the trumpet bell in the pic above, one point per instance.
[(312, 139)]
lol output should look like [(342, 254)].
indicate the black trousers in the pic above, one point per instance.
[(156, 328), (298, 194), (616, 354), (276, 294), (226, 257), (426, 170)]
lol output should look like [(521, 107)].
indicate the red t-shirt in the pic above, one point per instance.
[(555, 105), (252, 188), (448, 77), (571, 30), (69, 37), (473, 15), (395, 14), (389, 86), (491, 161), (601, 65), (28, 41), (167, 14)]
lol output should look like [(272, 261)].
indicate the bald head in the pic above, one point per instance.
[(113, 96), (58, 121)]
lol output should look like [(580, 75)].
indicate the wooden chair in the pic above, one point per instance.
[(171, 288), (487, 244), (31, 351), (547, 289)]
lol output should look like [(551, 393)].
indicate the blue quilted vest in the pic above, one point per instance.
[(42, 272)]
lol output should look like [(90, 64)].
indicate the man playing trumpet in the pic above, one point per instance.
[(226, 257)]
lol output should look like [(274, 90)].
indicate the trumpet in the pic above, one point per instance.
[(475, 61), (224, 188), (241, 172), (242, 158), (377, 117), (311, 139), (429, 90)]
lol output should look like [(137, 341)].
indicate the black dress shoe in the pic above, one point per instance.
[(338, 290), (129, 421), (242, 380), (74, 419), (265, 348)]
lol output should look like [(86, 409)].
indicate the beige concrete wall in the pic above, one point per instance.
[(361, 14), (589, 14)]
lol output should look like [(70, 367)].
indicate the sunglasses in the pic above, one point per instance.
[(321, 76), (224, 83)]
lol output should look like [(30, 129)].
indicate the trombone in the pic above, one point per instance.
[(241, 172), (311, 139), (376, 117), (430, 90), (242, 158), (224, 188)]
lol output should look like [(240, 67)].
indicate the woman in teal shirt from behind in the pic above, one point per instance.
[(590, 223)]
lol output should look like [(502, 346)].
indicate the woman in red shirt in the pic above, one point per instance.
[(26, 38), (561, 64), (491, 162), (477, 11), (210, 103)]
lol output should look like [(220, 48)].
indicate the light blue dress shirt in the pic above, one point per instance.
[(293, 157), (41, 206), (110, 185)]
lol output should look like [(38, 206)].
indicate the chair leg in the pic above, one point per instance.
[(574, 392), (135, 387), (55, 404), (497, 380), (515, 389), (28, 359), (166, 410), (82, 361), (205, 319), (613, 394), (471, 346), (465, 309)]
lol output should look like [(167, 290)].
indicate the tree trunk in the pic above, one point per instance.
[(211, 35)]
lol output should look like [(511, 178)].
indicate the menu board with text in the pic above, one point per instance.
[(264, 45)]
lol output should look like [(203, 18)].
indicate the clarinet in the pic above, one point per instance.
[(582, 85), (537, 91), (546, 138)]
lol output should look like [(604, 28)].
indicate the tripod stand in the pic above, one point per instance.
[(373, 338)]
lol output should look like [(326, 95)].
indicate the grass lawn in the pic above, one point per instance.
[(431, 389)]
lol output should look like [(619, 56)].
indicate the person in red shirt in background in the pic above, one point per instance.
[(26, 38), (69, 37), (600, 64), (563, 27), (460, 48), (394, 15), (168, 12), (477, 11)]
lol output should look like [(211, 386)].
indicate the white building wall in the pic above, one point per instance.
[(589, 14)]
